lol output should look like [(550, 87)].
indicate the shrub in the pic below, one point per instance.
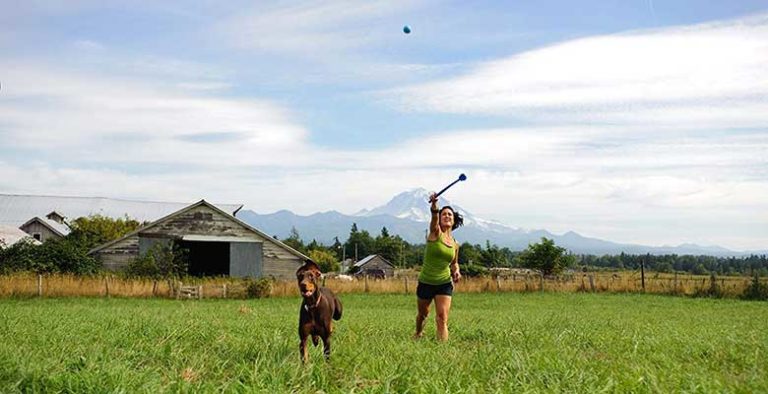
[(66, 256), (473, 270), (52, 256), (160, 261), (756, 290), (258, 288)]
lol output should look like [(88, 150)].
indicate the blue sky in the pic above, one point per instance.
[(632, 121)]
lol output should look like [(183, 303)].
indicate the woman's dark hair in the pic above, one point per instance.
[(458, 220)]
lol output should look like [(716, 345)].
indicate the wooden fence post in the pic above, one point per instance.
[(199, 292), (178, 290), (366, 283), (592, 283), (39, 285), (154, 288), (674, 288), (224, 291), (106, 286), (498, 284), (406, 285)]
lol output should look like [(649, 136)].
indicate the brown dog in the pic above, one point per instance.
[(319, 305)]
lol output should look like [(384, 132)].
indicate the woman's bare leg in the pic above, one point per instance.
[(421, 316), (442, 307)]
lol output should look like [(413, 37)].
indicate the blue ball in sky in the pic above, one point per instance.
[(407, 29)]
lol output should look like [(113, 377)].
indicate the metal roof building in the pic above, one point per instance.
[(16, 210), (9, 235)]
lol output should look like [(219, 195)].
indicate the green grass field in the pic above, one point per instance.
[(510, 342)]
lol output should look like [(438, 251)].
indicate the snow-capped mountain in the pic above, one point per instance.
[(413, 205)]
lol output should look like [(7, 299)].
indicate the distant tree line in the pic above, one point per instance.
[(699, 265), (69, 255), (476, 259)]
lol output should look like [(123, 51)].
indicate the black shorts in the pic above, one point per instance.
[(428, 292)]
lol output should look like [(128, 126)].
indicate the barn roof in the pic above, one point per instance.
[(57, 228), (215, 208), (15, 210), (368, 259), (9, 235)]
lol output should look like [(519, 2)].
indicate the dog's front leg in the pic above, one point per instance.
[(327, 347), (303, 352)]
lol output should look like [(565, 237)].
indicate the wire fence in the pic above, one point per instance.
[(106, 285)]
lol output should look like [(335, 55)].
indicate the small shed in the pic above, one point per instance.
[(375, 266), (217, 244), (43, 229)]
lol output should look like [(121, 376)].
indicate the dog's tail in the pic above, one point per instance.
[(336, 308)]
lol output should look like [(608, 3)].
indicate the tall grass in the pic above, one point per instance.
[(24, 285)]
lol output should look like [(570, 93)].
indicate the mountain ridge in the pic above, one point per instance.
[(407, 213)]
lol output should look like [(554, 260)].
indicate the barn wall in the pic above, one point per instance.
[(379, 263), (282, 268), (45, 232), (118, 256)]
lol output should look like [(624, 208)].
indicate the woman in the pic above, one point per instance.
[(439, 269)]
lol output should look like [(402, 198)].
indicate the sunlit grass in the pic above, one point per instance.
[(506, 342)]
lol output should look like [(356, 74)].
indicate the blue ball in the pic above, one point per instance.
[(407, 29)]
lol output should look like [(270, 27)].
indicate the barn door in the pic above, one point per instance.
[(245, 259)]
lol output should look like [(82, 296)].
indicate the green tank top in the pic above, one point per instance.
[(435, 270)]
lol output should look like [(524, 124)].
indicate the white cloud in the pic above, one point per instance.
[(125, 120), (694, 72)]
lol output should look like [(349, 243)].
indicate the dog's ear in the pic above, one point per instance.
[(310, 265)]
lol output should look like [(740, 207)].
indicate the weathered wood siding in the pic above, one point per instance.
[(378, 262), (277, 261), (200, 220), (118, 256), (37, 227)]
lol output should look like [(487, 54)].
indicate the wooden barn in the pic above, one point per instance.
[(43, 229), (375, 266), (217, 242)]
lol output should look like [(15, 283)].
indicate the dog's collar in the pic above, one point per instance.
[(307, 307)]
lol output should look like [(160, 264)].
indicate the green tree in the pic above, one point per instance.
[(361, 240), (546, 257), (337, 248), (294, 241), (470, 254), (492, 256), (389, 247), (326, 260), (89, 232)]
